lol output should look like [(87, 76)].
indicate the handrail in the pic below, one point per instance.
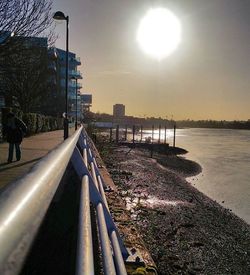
[(24, 203)]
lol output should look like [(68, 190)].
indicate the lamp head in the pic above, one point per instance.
[(59, 15)]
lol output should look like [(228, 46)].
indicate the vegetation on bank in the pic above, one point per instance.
[(36, 123), (148, 122)]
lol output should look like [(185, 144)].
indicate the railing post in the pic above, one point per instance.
[(174, 135), (159, 140), (126, 132), (133, 133), (117, 134), (165, 134), (153, 129), (110, 135)]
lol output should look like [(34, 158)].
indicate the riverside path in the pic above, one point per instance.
[(33, 149)]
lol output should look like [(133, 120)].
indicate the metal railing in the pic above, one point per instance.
[(24, 204)]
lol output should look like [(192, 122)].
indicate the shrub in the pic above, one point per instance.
[(59, 122), (39, 123), (45, 127), (30, 120), (36, 123), (52, 124)]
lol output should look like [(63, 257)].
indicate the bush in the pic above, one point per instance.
[(52, 124), (39, 123), (30, 120), (59, 122), (45, 127), (36, 123)]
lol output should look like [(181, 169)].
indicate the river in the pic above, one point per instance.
[(225, 159)]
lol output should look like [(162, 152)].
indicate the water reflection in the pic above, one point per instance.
[(224, 156)]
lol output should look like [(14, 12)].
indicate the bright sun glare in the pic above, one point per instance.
[(159, 33)]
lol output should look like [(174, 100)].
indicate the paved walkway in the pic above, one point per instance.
[(33, 149)]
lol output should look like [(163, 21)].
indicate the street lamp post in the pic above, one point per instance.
[(60, 16), (75, 78)]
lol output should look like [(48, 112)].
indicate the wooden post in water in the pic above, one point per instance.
[(110, 135), (159, 140), (174, 135), (126, 132), (141, 132), (133, 133), (165, 134), (117, 134), (153, 129)]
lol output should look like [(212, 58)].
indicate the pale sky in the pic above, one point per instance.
[(207, 77)]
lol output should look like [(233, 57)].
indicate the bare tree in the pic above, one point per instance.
[(26, 82), (26, 17), (23, 66)]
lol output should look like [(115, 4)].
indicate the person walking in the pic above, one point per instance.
[(14, 130)]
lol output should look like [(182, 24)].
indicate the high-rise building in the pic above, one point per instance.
[(30, 69), (58, 79), (118, 110)]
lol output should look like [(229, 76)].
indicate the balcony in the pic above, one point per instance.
[(73, 85), (76, 74), (75, 60)]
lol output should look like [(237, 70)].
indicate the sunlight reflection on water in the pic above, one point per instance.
[(224, 156)]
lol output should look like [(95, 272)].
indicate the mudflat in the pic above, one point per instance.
[(185, 231)]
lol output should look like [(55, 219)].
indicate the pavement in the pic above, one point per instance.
[(33, 149)]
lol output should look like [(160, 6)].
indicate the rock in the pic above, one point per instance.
[(196, 244), (173, 257), (177, 266)]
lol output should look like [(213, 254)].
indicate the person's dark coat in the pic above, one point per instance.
[(15, 134)]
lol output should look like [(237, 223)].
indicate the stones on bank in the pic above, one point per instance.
[(185, 231)]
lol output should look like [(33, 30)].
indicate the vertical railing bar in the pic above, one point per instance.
[(85, 261), (108, 263), (119, 262)]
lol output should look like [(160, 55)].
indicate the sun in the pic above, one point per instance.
[(159, 33)]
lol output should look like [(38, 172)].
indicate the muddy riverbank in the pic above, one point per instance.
[(185, 231)]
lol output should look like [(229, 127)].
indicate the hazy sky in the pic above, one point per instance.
[(207, 77)]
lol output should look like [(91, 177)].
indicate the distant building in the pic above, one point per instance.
[(118, 110), (86, 102)]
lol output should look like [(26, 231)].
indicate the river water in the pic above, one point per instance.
[(225, 159)]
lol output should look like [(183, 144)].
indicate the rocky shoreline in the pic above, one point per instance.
[(185, 231)]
